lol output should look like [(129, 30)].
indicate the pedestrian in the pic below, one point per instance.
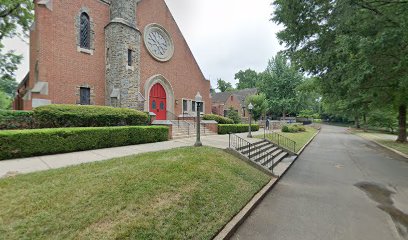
[(267, 124)]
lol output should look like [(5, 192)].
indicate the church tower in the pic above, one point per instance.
[(123, 41)]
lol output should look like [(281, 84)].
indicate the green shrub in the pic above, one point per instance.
[(236, 128), (219, 119), (36, 142), (294, 128), (55, 116), (285, 128), (16, 119), (234, 115)]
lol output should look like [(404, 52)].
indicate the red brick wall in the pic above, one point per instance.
[(54, 45), (182, 71)]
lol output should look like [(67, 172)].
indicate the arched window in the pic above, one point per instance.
[(85, 31)]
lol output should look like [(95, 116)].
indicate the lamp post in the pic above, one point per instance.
[(250, 107), (198, 100)]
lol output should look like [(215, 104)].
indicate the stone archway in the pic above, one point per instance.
[(169, 93)]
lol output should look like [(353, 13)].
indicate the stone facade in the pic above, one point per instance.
[(116, 30), (121, 36)]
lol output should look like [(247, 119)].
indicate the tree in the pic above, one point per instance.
[(260, 105), (16, 17), (279, 83), (234, 115), (224, 86), (5, 101), (357, 49), (247, 79)]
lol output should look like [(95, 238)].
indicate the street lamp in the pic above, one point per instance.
[(198, 100), (250, 107)]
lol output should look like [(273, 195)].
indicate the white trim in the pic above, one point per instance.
[(84, 50), (190, 107), (170, 99)]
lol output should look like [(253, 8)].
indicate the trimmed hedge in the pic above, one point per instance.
[(16, 119), (293, 128), (219, 119), (58, 116), (36, 142), (236, 128)]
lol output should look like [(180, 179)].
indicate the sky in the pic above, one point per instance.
[(225, 36)]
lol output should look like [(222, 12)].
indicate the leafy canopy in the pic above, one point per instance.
[(16, 17), (224, 86), (247, 79)]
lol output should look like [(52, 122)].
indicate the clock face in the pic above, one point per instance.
[(158, 42)]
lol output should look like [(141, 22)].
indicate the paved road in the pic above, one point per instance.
[(342, 187)]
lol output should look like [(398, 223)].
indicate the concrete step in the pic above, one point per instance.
[(277, 160), (255, 147)]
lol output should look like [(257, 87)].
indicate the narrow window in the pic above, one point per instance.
[(185, 106), (107, 56), (85, 30), (194, 106), (130, 62), (201, 107), (85, 96)]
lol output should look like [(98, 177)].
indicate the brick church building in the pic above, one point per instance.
[(120, 53)]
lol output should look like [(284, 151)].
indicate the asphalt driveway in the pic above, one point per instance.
[(341, 187)]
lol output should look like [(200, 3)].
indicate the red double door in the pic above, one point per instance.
[(157, 101)]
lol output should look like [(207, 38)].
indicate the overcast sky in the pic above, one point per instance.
[(225, 36)]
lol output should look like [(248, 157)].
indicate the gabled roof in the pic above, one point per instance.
[(222, 97)]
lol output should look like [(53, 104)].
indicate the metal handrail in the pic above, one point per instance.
[(239, 143), (280, 140), (176, 118)]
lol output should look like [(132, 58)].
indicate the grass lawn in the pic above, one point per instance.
[(186, 193), (301, 138), (388, 140)]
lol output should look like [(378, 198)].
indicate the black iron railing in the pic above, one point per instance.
[(254, 152), (280, 140), (174, 117), (239, 144)]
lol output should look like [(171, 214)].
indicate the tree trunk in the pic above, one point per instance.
[(365, 122), (357, 122), (284, 116), (402, 123)]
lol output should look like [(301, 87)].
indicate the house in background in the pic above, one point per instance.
[(223, 101), (120, 53)]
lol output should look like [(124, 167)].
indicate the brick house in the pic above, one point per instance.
[(121, 53), (223, 101)]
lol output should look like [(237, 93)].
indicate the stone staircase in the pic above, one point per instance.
[(187, 129), (262, 153)]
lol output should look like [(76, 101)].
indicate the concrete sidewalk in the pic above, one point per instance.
[(34, 164)]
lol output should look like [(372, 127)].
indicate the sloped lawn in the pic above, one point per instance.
[(301, 138), (186, 193)]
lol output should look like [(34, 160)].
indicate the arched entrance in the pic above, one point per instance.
[(158, 101)]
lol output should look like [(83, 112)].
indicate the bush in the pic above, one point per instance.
[(28, 143), (236, 128), (219, 119), (16, 119), (293, 128), (57, 116), (234, 115)]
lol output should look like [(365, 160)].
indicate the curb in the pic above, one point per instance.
[(381, 145), (238, 219), (307, 144), (230, 228)]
